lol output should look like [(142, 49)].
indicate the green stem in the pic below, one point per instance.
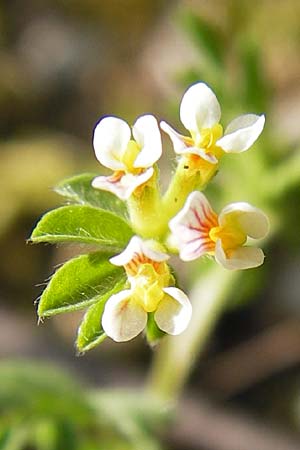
[(150, 214), (145, 209), (183, 182), (175, 358), (192, 173)]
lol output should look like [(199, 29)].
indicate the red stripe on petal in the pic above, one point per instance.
[(210, 215), (203, 225)]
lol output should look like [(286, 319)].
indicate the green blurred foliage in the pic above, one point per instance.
[(42, 408)]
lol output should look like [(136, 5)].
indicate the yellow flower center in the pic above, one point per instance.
[(207, 138), (130, 155), (206, 141), (148, 278), (231, 236)]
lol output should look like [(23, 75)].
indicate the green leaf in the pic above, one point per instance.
[(90, 332), (78, 189), (79, 283), (83, 224), (207, 37)]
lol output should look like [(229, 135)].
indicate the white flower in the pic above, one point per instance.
[(125, 314), (200, 113), (130, 159), (198, 230)]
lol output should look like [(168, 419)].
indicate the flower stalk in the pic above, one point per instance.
[(145, 206), (176, 356), (184, 181)]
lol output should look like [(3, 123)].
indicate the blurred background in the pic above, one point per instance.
[(64, 64)]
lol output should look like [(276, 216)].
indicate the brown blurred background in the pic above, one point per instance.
[(64, 64)]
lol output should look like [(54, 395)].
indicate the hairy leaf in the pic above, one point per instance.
[(79, 283), (84, 224), (78, 189)]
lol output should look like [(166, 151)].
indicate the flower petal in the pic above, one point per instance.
[(181, 146), (241, 133), (191, 227), (111, 137), (177, 139), (123, 318), (122, 187), (136, 247), (174, 311), (249, 218), (199, 108), (200, 152), (147, 135), (240, 258)]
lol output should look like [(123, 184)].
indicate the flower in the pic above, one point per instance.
[(125, 314), (130, 159), (200, 113), (198, 230)]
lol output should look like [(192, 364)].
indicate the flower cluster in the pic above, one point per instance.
[(182, 215)]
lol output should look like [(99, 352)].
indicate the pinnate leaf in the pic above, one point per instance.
[(84, 224), (79, 283), (78, 189)]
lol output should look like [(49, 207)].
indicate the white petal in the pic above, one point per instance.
[(174, 311), (123, 318), (200, 152), (241, 133), (251, 219), (195, 210), (240, 258), (147, 135), (194, 249), (136, 247), (181, 147), (111, 137), (177, 139), (199, 108), (125, 186), (191, 227)]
